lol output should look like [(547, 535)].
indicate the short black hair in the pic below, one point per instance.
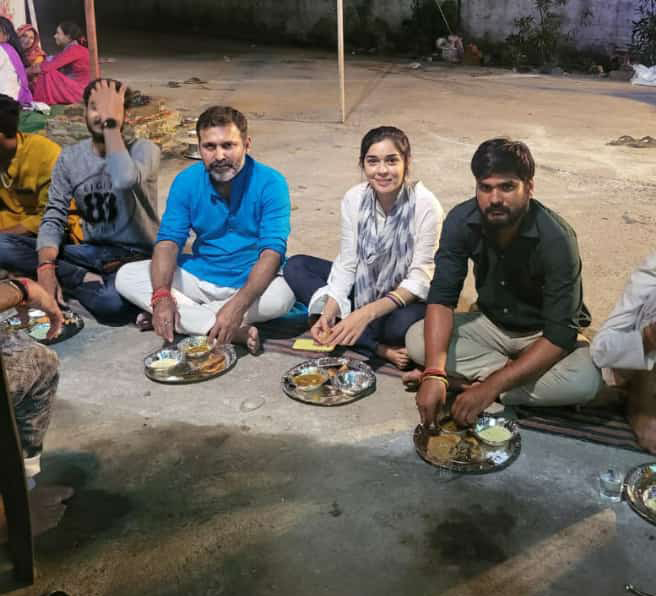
[(222, 116), (9, 116), (503, 156), (86, 95)]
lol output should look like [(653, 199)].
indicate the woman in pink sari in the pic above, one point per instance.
[(62, 80)]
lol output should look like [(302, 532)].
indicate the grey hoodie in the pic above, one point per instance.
[(115, 195)]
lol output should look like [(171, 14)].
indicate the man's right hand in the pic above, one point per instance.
[(38, 297), (430, 399), (47, 278), (165, 317)]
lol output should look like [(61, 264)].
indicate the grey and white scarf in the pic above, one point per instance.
[(384, 256)]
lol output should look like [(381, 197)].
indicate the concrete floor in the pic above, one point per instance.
[(180, 491)]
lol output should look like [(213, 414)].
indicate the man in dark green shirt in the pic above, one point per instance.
[(522, 346)]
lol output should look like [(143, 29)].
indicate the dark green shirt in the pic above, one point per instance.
[(533, 285)]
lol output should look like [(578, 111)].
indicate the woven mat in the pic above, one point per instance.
[(606, 426)]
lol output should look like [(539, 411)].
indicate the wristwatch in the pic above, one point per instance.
[(109, 123)]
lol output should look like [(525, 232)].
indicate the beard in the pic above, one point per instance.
[(225, 170), (95, 130), (497, 217)]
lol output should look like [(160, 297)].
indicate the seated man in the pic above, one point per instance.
[(114, 184), (26, 163), (522, 346), (625, 347), (32, 374), (239, 210)]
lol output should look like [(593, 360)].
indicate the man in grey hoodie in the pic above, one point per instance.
[(114, 184)]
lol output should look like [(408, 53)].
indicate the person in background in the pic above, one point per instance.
[(26, 164), (63, 79), (31, 44), (13, 76), (380, 279)]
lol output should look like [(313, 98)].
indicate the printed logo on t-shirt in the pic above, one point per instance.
[(100, 207)]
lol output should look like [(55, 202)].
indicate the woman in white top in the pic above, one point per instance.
[(375, 289)]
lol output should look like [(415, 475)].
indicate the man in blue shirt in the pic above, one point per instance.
[(239, 211)]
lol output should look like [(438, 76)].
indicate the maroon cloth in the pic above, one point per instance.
[(63, 79)]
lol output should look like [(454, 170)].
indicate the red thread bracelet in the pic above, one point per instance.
[(438, 372), (160, 294)]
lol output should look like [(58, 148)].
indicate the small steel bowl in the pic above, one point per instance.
[(176, 357), (649, 496), (309, 370), (448, 426), (485, 422), (191, 346), (352, 382)]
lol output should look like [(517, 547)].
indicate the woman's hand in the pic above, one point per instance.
[(320, 331), (349, 330)]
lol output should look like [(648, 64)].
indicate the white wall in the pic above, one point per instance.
[(295, 19), (610, 23)]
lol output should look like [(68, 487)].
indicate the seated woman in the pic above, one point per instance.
[(62, 80), (31, 44), (13, 79), (390, 232)]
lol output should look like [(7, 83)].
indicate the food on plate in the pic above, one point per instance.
[(495, 434), (164, 363)]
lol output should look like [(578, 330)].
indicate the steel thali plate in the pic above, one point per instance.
[(38, 325), (329, 393), (193, 370), (464, 453), (640, 491)]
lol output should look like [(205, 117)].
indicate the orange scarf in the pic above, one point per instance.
[(35, 53)]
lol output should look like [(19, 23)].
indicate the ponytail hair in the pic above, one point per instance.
[(74, 31)]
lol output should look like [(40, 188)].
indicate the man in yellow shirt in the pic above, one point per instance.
[(26, 162)]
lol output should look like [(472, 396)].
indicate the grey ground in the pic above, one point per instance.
[(181, 492)]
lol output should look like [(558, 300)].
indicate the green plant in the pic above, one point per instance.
[(537, 37), (643, 37)]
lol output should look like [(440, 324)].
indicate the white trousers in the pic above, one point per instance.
[(198, 300)]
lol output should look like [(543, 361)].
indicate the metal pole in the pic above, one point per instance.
[(32, 14), (92, 38), (340, 58)]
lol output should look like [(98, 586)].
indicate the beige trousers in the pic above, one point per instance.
[(198, 300), (478, 348)]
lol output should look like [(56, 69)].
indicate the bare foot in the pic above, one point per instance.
[(397, 356), (46, 509), (249, 337), (412, 377), (642, 409), (144, 321), (90, 277)]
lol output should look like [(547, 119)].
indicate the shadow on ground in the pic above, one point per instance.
[(181, 509)]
